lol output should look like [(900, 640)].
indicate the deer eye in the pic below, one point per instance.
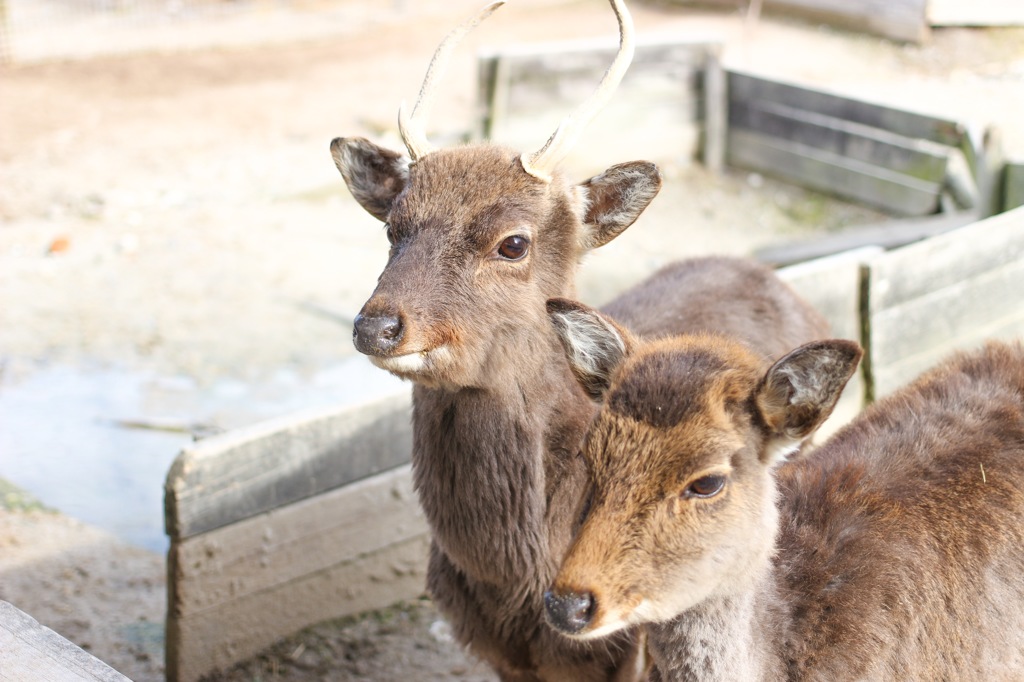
[(514, 247), (705, 486)]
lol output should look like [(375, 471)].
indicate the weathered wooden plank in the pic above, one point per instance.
[(949, 315), (32, 652), (745, 87), (975, 13), (271, 550), (888, 235), (589, 58), (214, 639), (832, 286), (832, 173), (887, 378), (897, 19), (227, 478), (1013, 185), (918, 269), (656, 113), (951, 291), (566, 73), (915, 157)]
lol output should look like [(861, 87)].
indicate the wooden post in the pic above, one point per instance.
[(1013, 185), (716, 102)]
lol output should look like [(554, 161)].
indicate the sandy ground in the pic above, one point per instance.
[(178, 212)]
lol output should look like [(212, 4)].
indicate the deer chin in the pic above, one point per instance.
[(637, 612), (416, 364), (608, 624)]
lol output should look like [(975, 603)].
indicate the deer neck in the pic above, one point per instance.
[(725, 637), (490, 462)]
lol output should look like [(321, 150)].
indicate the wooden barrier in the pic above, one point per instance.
[(30, 651), (894, 160), (903, 20), (949, 292), (285, 524), (525, 93)]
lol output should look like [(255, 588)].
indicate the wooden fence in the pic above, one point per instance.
[(903, 20), (951, 291), (679, 103), (671, 98), (288, 523), (891, 159)]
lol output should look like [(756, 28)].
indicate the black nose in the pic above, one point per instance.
[(569, 612), (377, 334)]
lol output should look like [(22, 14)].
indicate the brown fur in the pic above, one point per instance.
[(901, 548), (497, 417), (894, 551)]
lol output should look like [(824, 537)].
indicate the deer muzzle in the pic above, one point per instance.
[(377, 334), (569, 612)]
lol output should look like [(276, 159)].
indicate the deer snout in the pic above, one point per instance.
[(569, 612), (377, 333)]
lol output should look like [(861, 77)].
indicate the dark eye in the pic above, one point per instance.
[(705, 486), (514, 247)]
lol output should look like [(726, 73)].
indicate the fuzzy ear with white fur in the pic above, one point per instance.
[(594, 345), (614, 200), (799, 392), (374, 175)]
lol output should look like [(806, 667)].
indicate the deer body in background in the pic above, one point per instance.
[(481, 237), (894, 551)]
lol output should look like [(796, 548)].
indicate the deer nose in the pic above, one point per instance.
[(569, 612), (377, 334)]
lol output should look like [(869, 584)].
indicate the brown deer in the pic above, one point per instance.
[(481, 236), (895, 551)]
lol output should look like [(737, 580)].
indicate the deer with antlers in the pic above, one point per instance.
[(894, 551), (481, 236)]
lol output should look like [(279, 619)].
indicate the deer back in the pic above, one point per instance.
[(901, 551)]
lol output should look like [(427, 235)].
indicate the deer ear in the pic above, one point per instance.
[(374, 175), (613, 200), (800, 391), (594, 345)]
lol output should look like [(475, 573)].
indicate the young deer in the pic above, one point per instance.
[(895, 551), (481, 237)]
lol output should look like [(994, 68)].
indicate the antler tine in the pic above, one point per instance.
[(541, 163), (411, 127)]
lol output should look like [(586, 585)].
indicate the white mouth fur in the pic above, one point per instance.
[(412, 363)]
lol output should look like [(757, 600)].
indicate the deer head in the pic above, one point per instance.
[(681, 457), (480, 235)]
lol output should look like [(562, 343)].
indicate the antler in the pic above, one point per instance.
[(541, 163), (411, 126)]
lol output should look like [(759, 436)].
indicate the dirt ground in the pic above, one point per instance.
[(178, 212)]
